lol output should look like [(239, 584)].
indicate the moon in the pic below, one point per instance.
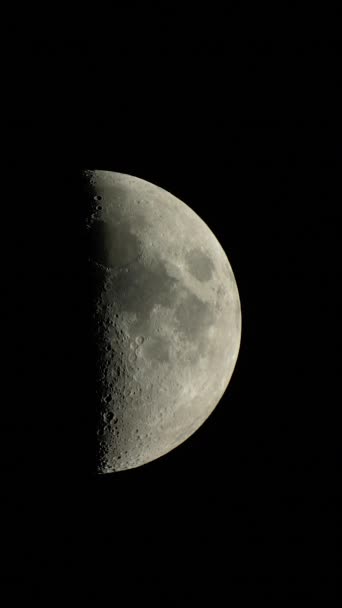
[(167, 319)]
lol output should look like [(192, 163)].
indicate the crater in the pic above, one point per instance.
[(156, 349), (199, 265)]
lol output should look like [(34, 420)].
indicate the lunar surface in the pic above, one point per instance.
[(167, 319)]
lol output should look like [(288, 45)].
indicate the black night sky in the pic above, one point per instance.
[(245, 133)]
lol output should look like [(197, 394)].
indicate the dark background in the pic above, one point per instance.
[(246, 133)]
